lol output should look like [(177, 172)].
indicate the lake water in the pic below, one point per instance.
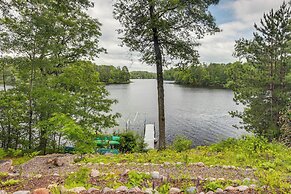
[(200, 114)]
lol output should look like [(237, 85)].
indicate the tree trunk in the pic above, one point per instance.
[(160, 83), (30, 108)]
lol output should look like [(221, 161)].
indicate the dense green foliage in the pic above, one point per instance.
[(181, 144), (163, 32), (113, 75), (142, 75), (131, 142), (212, 75), (262, 84), (56, 98)]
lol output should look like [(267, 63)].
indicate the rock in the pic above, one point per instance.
[(38, 176), (51, 186), (179, 163), (5, 165), (77, 189), (242, 188), (150, 191), (201, 193), (211, 179), (253, 186), (121, 189), (134, 190), (125, 173), (167, 163), (174, 190), (191, 190), (56, 174), (200, 178), (155, 175), (200, 164), (210, 192), (41, 191), (93, 190), (3, 192), (221, 179), (94, 173), (107, 190), (13, 174), (230, 188), (22, 192), (219, 190)]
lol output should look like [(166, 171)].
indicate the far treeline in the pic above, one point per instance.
[(212, 75)]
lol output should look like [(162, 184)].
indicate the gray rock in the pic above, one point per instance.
[(219, 190), (107, 190), (230, 188), (121, 189), (3, 192), (5, 165), (22, 192), (155, 175), (95, 173), (150, 191), (200, 164), (13, 174), (242, 188), (174, 190), (134, 190), (191, 190), (210, 192), (179, 163), (253, 186), (92, 190), (125, 173), (78, 189)]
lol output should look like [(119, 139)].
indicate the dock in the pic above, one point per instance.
[(149, 136)]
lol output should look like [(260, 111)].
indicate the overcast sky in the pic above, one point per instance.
[(234, 17)]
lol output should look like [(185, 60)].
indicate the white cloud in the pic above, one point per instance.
[(219, 47), (216, 48)]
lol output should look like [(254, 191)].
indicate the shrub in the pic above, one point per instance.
[(14, 152), (131, 142), (181, 144), (2, 153)]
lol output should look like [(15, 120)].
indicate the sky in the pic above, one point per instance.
[(235, 18)]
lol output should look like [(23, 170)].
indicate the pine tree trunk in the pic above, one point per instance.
[(160, 84)]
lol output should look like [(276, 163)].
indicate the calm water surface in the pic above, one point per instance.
[(198, 113)]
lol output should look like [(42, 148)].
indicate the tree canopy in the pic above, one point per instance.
[(163, 32), (262, 84)]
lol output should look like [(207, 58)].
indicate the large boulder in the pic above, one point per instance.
[(5, 165)]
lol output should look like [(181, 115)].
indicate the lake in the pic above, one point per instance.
[(200, 114)]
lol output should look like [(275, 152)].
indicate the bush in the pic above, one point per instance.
[(14, 152), (181, 144), (131, 142), (2, 153)]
